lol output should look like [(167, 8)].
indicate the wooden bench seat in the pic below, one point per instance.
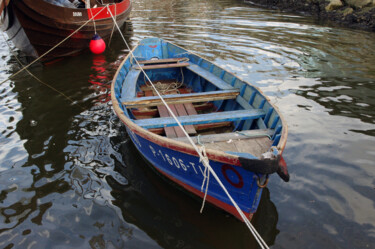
[(201, 118), (184, 64), (229, 136), (158, 61), (180, 98)]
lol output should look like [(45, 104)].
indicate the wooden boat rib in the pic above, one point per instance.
[(35, 26), (244, 135)]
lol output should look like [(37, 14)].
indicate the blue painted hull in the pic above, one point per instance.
[(188, 172)]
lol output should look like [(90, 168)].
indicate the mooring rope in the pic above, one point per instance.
[(93, 20), (58, 44), (36, 78), (204, 159), (206, 172), (113, 28)]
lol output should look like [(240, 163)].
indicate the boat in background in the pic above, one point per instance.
[(242, 133), (36, 26)]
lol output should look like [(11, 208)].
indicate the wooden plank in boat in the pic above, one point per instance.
[(255, 147), (177, 129), (178, 110), (219, 83), (162, 61), (185, 64), (201, 118), (169, 131), (249, 134), (163, 112), (182, 111), (180, 98), (153, 112)]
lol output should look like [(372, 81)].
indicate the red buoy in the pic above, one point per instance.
[(97, 45)]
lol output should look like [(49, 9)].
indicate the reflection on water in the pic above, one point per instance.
[(70, 177)]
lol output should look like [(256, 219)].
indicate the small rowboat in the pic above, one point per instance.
[(36, 26), (242, 133)]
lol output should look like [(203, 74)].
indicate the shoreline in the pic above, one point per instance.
[(359, 14)]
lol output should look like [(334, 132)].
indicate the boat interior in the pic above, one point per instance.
[(232, 117)]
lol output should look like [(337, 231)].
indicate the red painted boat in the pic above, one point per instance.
[(36, 26)]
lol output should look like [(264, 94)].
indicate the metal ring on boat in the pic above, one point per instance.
[(264, 184)]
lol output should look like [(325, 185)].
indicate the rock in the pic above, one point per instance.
[(347, 11), (359, 3), (333, 5)]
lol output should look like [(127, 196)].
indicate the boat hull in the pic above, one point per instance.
[(187, 171), (241, 173), (42, 26)]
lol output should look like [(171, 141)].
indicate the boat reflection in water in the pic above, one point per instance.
[(172, 218)]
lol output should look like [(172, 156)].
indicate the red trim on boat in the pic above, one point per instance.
[(222, 205), (119, 8), (186, 150)]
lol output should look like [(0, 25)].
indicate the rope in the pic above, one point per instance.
[(164, 88), (93, 20), (42, 82), (206, 172), (204, 159), (58, 44), (113, 28)]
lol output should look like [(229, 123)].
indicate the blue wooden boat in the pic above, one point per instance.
[(242, 133)]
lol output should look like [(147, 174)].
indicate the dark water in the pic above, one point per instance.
[(70, 177)]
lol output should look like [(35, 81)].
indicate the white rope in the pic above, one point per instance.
[(93, 20), (205, 160), (113, 28), (58, 44), (206, 172), (36, 78)]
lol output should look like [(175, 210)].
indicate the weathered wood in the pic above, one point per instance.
[(219, 83), (185, 64), (250, 134), (255, 147), (201, 118), (180, 98), (169, 131), (162, 61), (200, 127), (255, 142), (178, 110), (181, 111)]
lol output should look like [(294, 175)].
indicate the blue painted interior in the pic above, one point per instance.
[(201, 76)]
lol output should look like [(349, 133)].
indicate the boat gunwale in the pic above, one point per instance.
[(212, 154)]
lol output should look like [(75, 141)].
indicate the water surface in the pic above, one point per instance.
[(70, 177)]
